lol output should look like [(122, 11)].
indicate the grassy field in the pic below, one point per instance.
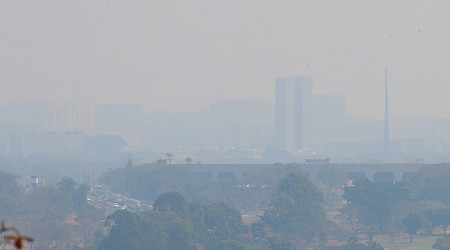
[(402, 243)]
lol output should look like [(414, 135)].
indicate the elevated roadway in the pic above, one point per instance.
[(397, 172)]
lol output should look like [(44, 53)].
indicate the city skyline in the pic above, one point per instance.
[(227, 128), (198, 124), (185, 55)]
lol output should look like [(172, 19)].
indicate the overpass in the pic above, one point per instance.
[(394, 171)]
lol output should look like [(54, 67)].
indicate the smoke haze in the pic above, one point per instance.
[(184, 55)]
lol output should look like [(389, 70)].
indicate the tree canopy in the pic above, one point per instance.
[(413, 222), (171, 201), (377, 197), (67, 186), (176, 224), (297, 206), (431, 183), (9, 191)]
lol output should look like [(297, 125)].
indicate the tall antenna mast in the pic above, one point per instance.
[(386, 116)]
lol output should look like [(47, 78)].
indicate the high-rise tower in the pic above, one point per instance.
[(293, 112)]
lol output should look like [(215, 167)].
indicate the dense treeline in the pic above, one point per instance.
[(295, 215), (419, 205), (175, 224), (251, 193), (57, 217), (192, 211)]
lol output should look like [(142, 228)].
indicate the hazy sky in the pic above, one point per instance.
[(183, 55)]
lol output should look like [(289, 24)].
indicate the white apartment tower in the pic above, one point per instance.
[(294, 112)]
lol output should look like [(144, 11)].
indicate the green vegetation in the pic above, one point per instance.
[(297, 207), (176, 224), (284, 210), (146, 183), (424, 242), (413, 222), (57, 218), (9, 192), (375, 201)]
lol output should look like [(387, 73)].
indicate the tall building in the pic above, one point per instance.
[(329, 118), (294, 112), (79, 115), (16, 147), (124, 119), (29, 115), (244, 124)]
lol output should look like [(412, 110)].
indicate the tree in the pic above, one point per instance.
[(129, 231), (80, 196), (233, 245), (279, 243), (148, 183), (9, 192), (413, 222), (129, 165), (67, 186), (8, 184), (377, 197), (438, 217), (431, 183), (358, 217), (179, 233), (297, 206), (223, 221), (214, 226), (171, 201), (48, 216), (201, 232), (169, 155), (195, 245)]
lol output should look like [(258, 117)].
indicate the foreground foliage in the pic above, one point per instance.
[(15, 239)]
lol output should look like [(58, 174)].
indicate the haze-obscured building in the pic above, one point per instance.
[(80, 115), (124, 119), (294, 112), (329, 118), (16, 145), (232, 124), (32, 115), (240, 123)]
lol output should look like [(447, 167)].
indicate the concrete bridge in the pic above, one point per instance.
[(380, 172)]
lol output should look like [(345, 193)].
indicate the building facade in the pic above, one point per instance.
[(80, 115), (294, 112)]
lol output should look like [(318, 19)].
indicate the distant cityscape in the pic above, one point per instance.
[(298, 126)]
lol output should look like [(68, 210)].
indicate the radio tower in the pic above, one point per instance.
[(386, 118)]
